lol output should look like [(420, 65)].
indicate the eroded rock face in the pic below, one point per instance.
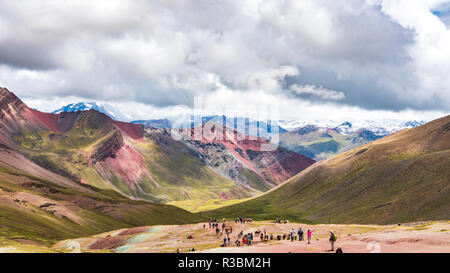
[(243, 159), (8, 98), (108, 149)]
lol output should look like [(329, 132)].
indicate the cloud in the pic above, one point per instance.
[(383, 55), (317, 91)]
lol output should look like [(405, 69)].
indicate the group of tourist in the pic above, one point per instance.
[(225, 229), (242, 220)]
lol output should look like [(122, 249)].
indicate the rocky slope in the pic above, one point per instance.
[(244, 158)]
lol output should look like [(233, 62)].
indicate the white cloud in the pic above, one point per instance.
[(157, 55), (430, 53), (317, 91)]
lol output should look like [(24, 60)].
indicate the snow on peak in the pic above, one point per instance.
[(104, 108)]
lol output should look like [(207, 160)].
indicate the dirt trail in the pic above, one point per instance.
[(413, 237)]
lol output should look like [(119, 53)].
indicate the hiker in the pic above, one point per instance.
[(278, 237), (204, 226), (229, 241), (309, 235), (244, 240), (237, 243), (262, 237), (249, 239), (300, 234), (271, 237), (292, 234), (284, 236), (333, 239), (224, 241)]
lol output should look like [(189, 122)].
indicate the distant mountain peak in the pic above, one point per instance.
[(306, 129), (346, 128), (104, 108), (413, 123), (347, 123)]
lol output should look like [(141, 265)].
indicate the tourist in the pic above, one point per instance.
[(310, 235), (300, 234), (333, 239)]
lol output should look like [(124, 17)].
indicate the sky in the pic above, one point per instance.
[(311, 59)]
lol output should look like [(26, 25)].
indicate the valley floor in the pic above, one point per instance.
[(411, 237), (200, 205)]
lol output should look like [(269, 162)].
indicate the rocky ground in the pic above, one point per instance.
[(411, 237)]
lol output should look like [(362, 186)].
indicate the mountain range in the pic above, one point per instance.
[(141, 163), (399, 178), (315, 139), (320, 143)]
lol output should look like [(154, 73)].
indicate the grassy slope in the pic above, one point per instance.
[(400, 178), (197, 205), (100, 210)]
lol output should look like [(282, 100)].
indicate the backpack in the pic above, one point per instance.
[(334, 238)]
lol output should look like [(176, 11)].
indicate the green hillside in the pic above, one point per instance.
[(40, 211)]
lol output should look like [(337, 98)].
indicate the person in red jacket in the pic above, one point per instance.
[(309, 235)]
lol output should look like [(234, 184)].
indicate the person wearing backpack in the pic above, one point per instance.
[(300, 234), (333, 239), (292, 234)]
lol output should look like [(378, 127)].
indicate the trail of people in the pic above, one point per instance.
[(243, 235)]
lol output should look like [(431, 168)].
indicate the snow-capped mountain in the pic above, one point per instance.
[(104, 108), (346, 128), (378, 128)]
